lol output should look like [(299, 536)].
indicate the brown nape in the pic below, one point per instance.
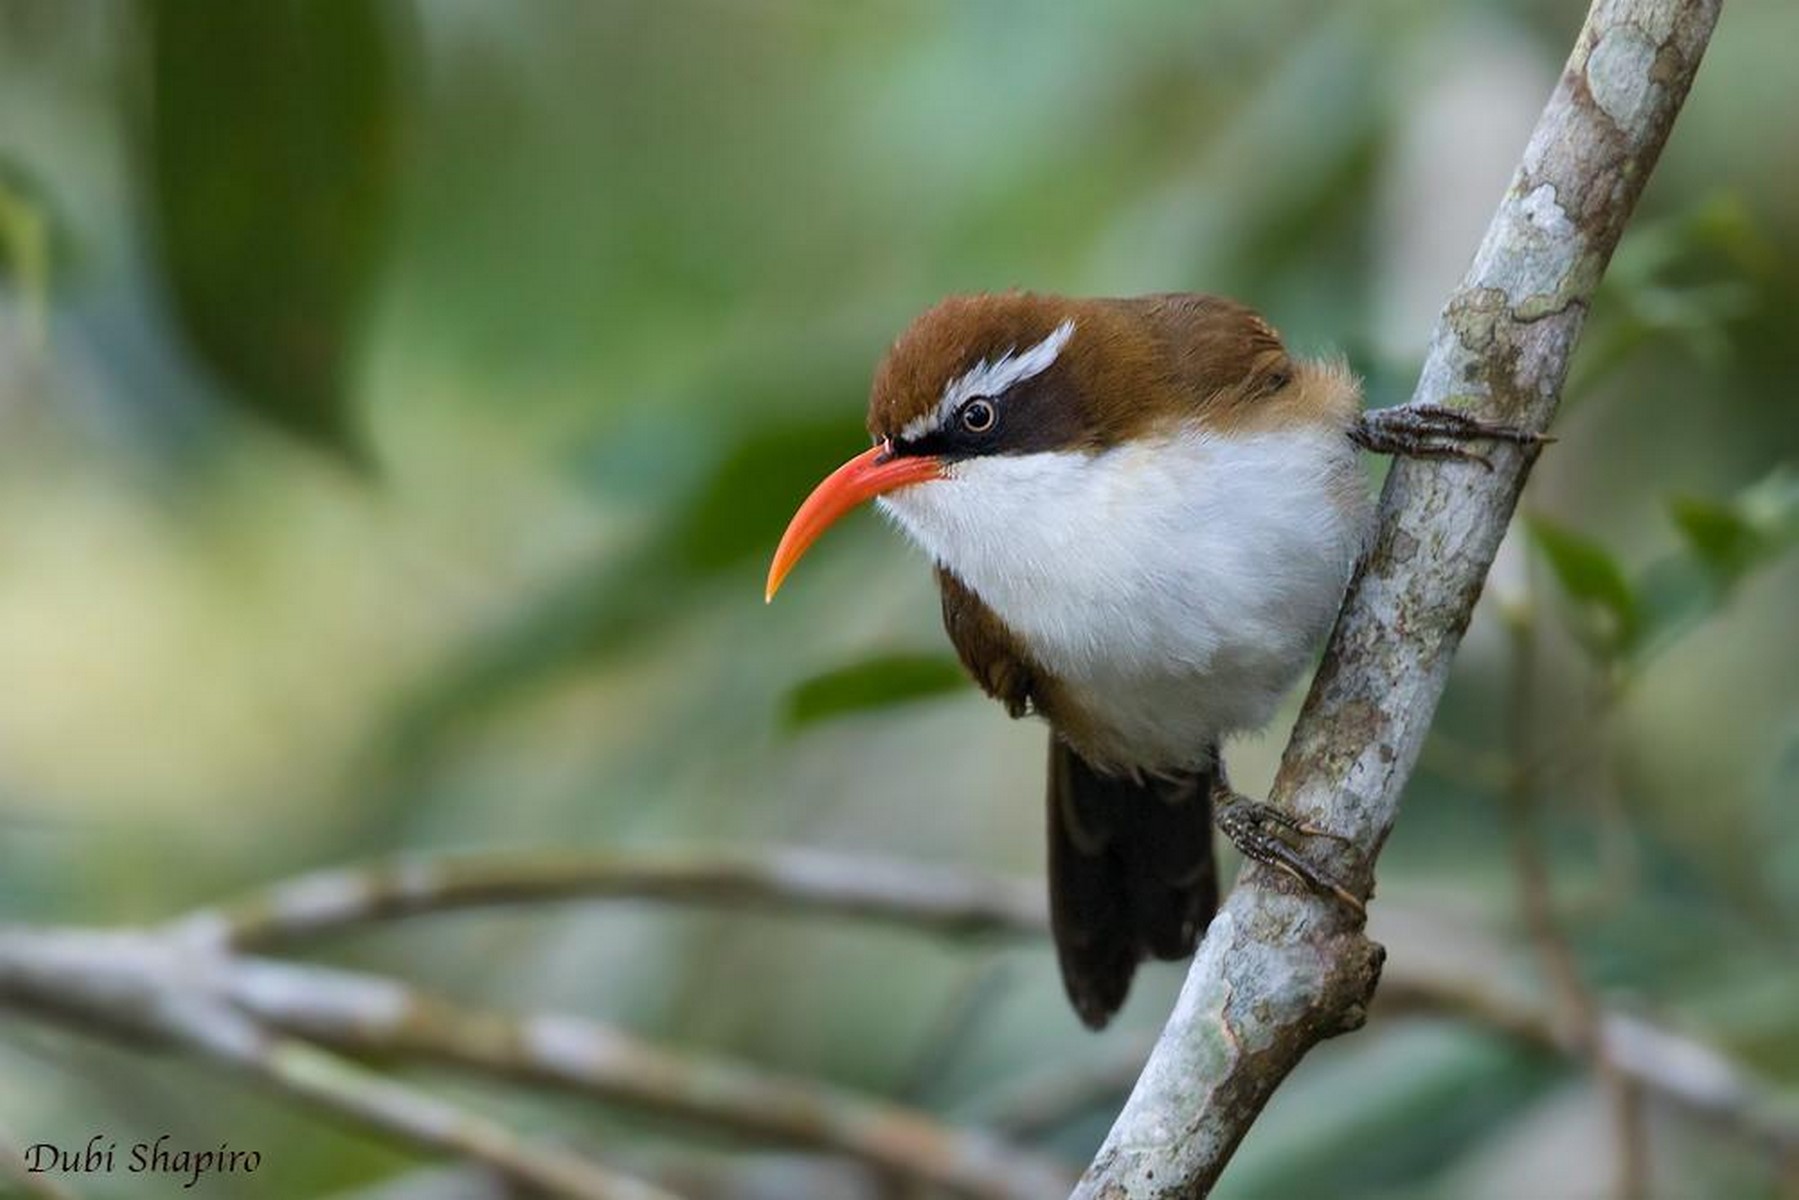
[(1233, 371), (1132, 365)]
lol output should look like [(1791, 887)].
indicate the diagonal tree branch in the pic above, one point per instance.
[(1280, 971)]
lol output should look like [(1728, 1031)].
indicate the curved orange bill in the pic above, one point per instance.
[(861, 478)]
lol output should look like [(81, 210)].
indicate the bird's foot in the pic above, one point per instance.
[(1261, 832), (1432, 431)]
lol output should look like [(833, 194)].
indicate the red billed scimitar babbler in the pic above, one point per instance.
[(1143, 514)]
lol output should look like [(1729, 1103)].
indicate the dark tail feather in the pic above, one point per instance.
[(1131, 875)]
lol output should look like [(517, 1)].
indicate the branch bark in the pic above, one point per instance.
[(370, 1016), (185, 983), (1280, 971), (930, 899), (146, 989), (279, 1022)]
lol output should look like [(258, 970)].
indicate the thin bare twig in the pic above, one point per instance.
[(1676, 1069), (1673, 1067), (936, 900), (373, 1017), (1579, 1010), (1043, 1101), (1279, 971)]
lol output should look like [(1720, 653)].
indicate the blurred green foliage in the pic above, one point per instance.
[(1592, 578), (1625, 621), (872, 684), (596, 288), (270, 152)]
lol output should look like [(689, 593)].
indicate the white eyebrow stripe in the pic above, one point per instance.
[(991, 379)]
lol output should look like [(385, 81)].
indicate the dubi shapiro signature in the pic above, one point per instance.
[(104, 1156)]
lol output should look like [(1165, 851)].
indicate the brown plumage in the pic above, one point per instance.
[(1140, 363)]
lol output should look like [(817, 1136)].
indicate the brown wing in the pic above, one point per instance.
[(1218, 348), (989, 651)]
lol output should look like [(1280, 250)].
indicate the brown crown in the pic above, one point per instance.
[(1131, 366)]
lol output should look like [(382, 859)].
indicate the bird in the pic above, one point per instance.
[(1143, 514)]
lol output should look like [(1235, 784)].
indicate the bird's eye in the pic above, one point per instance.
[(978, 416)]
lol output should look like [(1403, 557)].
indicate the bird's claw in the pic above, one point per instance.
[(1433, 431), (1255, 830)]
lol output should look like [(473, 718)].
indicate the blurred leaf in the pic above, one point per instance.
[(271, 139), (738, 513), (1589, 575), (1717, 535), (873, 684), (1722, 541), (1685, 280)]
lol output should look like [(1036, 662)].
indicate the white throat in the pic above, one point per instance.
[(1177, 587)]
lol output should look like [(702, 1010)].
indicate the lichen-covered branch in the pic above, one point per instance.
[(934, 900), (1280, 970)]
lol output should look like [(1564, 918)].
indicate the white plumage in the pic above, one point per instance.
[(1177, 586)]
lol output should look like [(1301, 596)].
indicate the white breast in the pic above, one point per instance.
[(1177, 588)]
